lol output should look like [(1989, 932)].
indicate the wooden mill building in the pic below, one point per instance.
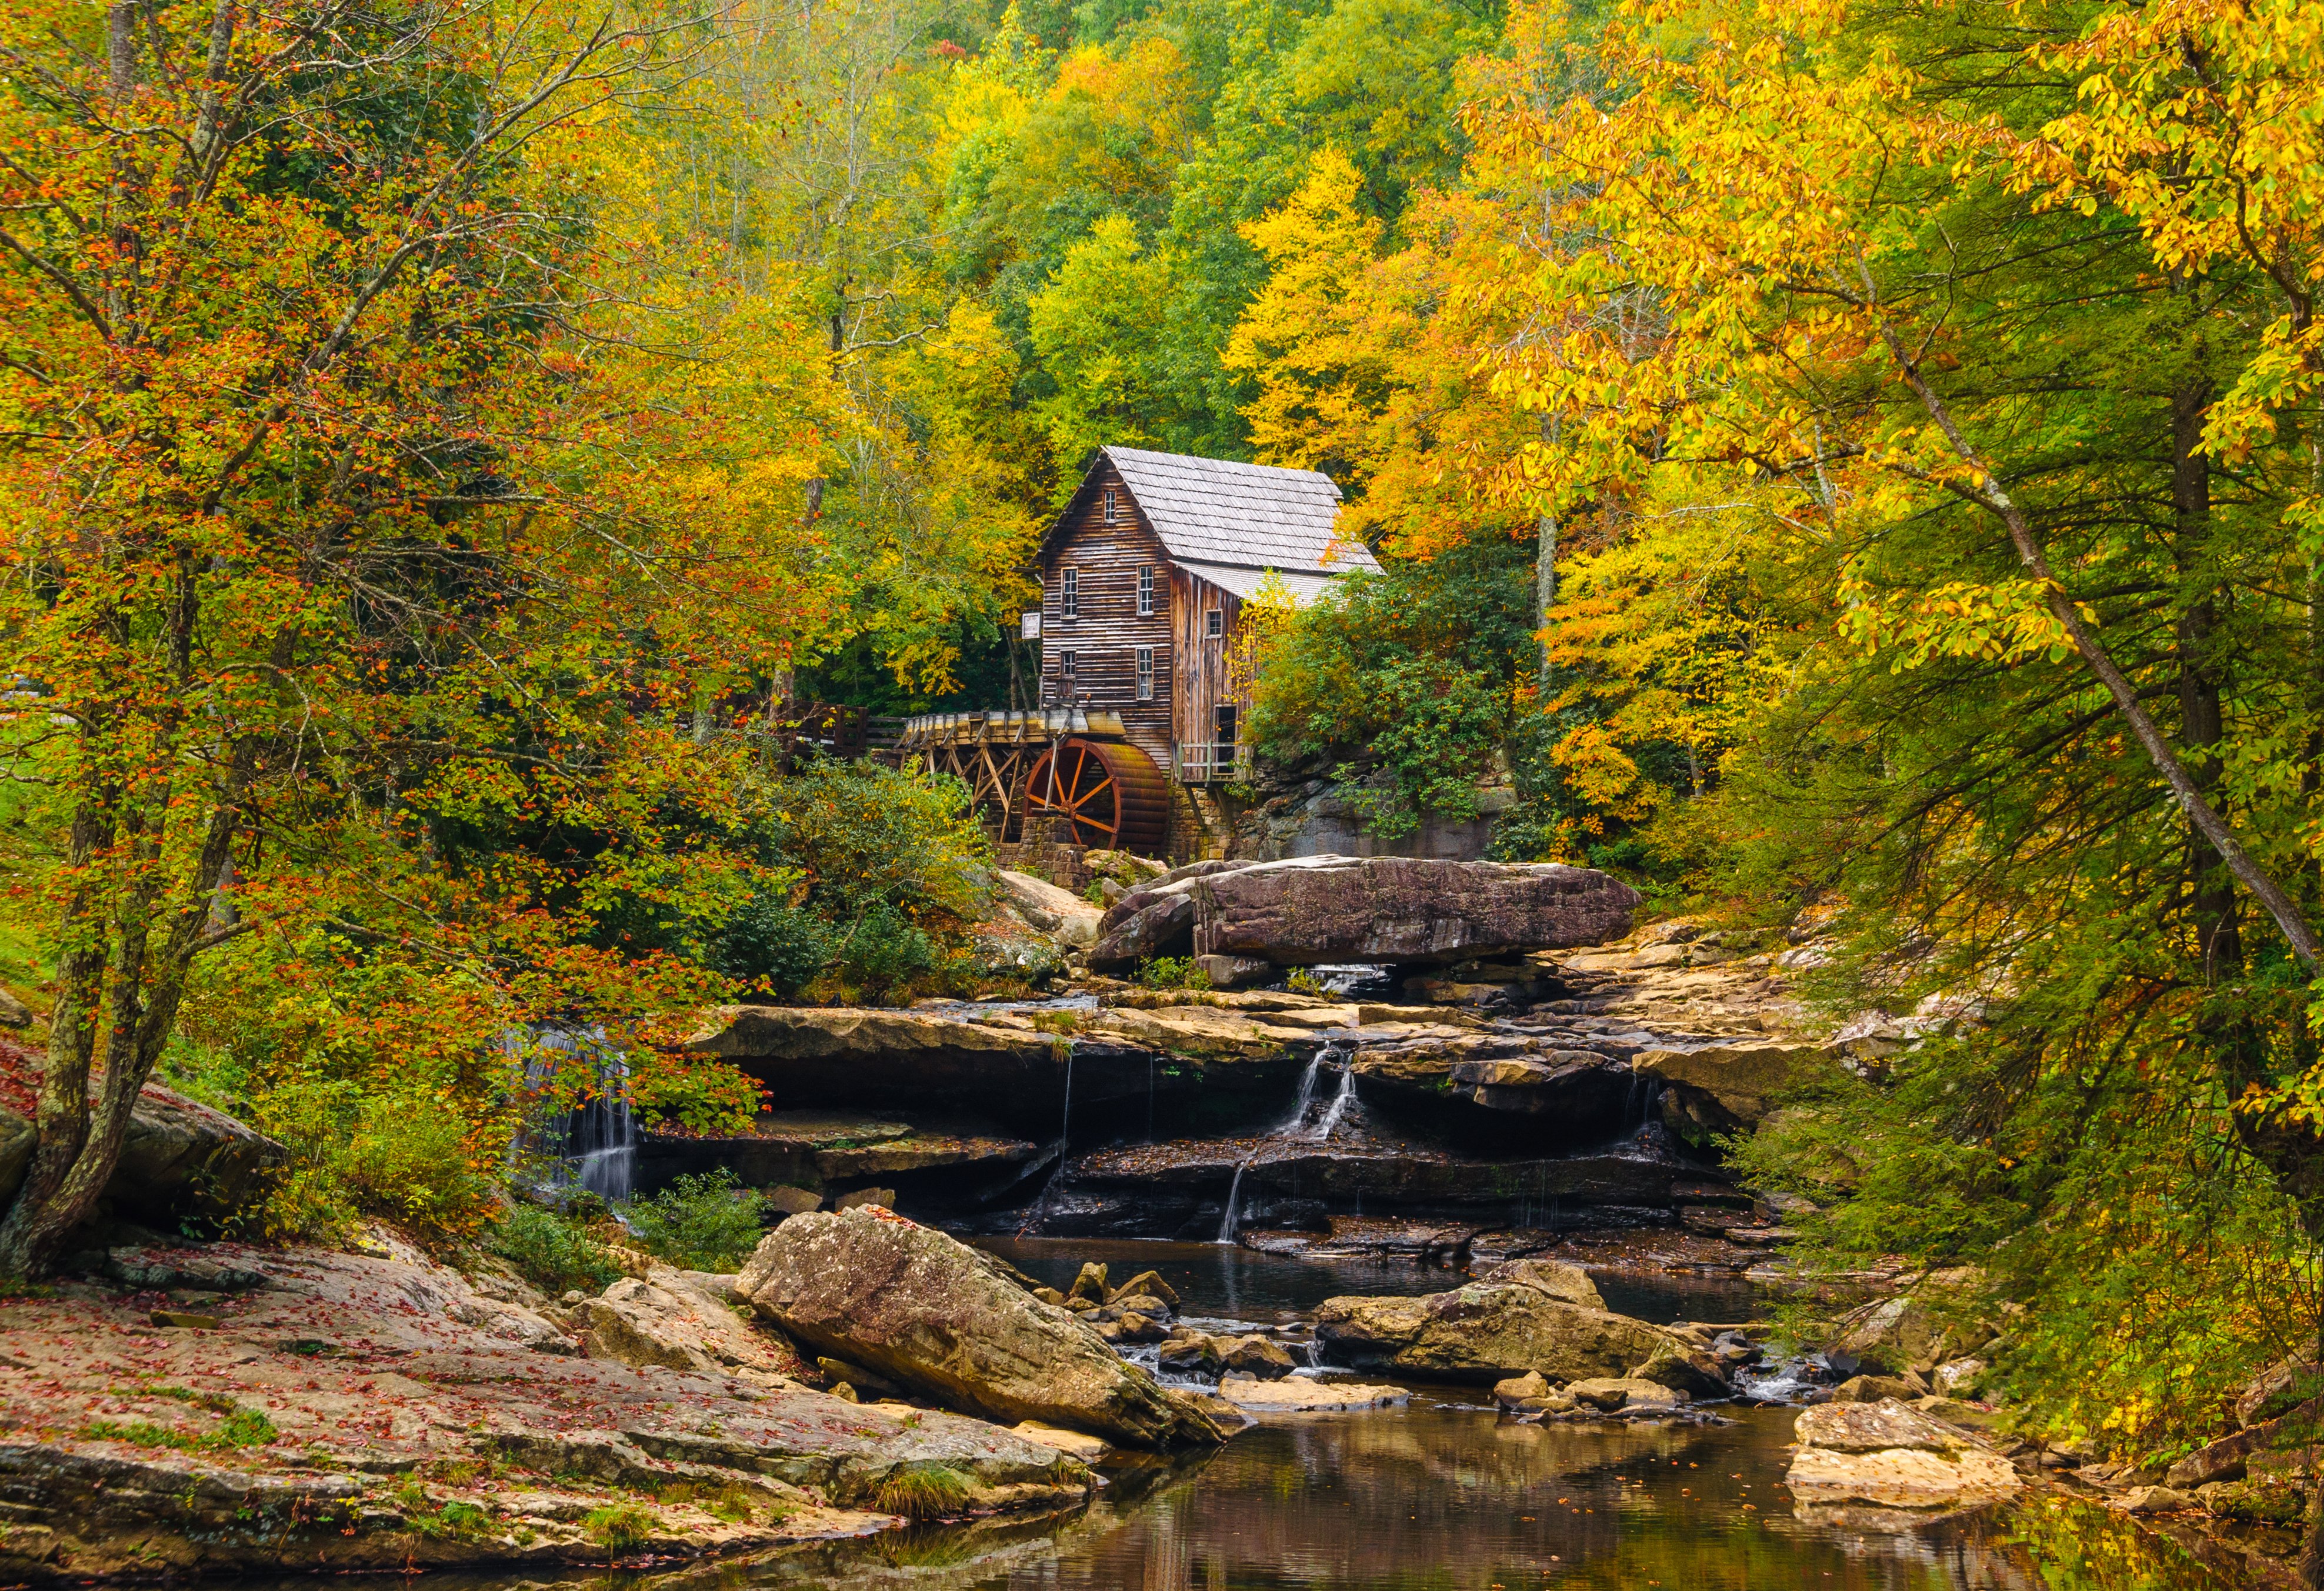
[(1143, 581)]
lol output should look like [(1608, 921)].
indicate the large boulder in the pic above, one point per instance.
[(930, 1313), (1307, 911), (1489, 1331), (1312, 910), (1889, 1456), (1061, 914), (179, 1156)]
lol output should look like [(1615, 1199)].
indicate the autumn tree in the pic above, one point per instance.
[(343, 441)]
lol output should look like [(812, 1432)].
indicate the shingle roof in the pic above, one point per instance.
[(1241, 515)]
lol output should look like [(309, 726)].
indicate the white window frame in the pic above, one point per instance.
[(1145, 591), (1069, 594), (1066, 660), (1215, 624), (1110, 509), (1146, 673)]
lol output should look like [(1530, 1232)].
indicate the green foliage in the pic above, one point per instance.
[(1302, 982), (924, 1490), (773, 946), (243, 1428), (1414, 669), (703, 1221), (623, 1527), (555, 1252), (1172, 972)]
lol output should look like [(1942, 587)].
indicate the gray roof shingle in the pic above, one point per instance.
[(1243, 516)]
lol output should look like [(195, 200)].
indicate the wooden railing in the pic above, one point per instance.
[(1210, 762)]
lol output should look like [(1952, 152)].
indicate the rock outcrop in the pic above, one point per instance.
[(180, 1157), (1888, 1456), (930, 1313), (1726, 1088), (1492, 1329)]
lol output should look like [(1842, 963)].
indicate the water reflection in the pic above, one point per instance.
[(1443, 1498)]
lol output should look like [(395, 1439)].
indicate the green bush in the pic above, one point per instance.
[(554, 1251), (703, 1221), (773, 946), (924, 1490), (1172, 972), (622, 1526)]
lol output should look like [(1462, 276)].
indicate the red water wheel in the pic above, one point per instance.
[(1109, 791)]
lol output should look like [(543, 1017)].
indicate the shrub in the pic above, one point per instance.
[(702, 1222), (554, 1251), (622, 1526), (773, 946), (924, 1490), (1173, 972)]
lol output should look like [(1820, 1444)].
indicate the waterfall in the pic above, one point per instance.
[(1295, 1127), (594, 1145), (1234, 1192)]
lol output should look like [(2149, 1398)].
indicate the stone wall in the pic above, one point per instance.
[(1315, 817)]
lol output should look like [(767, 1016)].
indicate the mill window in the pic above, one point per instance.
[(1223, 722), (1215, 622), (1069, 594), (1146, 591), (1108, 505), (1146, 673), (1066, 665)]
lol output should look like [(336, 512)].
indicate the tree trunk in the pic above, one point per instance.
[(2202, 721)]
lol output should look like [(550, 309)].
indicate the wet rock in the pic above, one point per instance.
[(927, 1311), (1607, 1394), (1259, 1357), (1089, 1283), (1889, 1456), (1692, 1371), (2156, 1500), (1191, 1353), (1310, 910), (884, 1198), (1145, 1284), (1487, 1331), (1516, 1389), (1059, 913), (13, 1012), (1873, 1389), (1301, 1394)]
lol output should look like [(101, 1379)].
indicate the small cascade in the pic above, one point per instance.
[(1234, 1196), (1065, 1140), (1295, 1128), (594, 1145)]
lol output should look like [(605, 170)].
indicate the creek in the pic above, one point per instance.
[(1448, 1494)]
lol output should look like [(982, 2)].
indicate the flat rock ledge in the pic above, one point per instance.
[(1891, 1459), (377, 1410)]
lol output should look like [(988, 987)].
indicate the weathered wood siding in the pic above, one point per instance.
[(1202, 684), (1105, 637)]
